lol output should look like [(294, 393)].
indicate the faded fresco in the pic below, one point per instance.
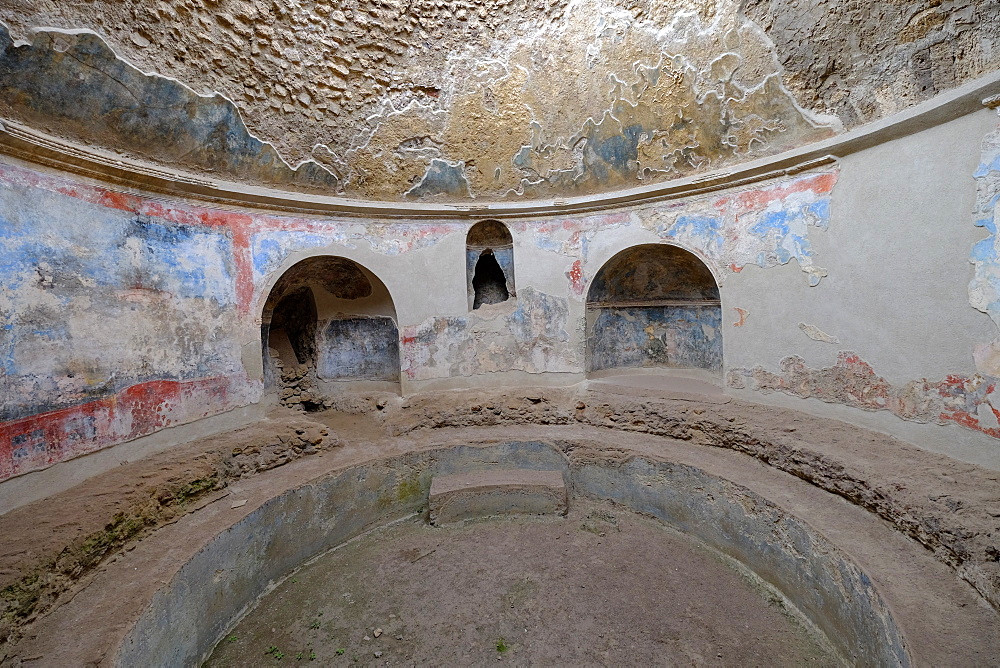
[(971, 401), (652, 272), (657, 94), (666, 336), (984, 290), (452, 100), (112, 326), (968, 400), (534, 338), (149, 293), (63, 83), (765, 226), (654, 305), (357, 348)]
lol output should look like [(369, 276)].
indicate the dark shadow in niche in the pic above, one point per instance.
[(489, 282), (293, 327), (327, 319), (489, 264)]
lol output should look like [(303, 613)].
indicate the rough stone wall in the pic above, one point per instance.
[(456, 99), (392, 101), (864, 59)]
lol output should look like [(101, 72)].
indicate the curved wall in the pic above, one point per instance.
[(190, 615), (448, 100), (847, 285)]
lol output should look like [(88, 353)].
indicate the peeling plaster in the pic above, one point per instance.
[(63, 83), (656, 94), (115, 325), (534, 338), (766, 226), (817, 334), (970, 401)]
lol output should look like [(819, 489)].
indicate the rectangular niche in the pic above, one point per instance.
[(359, 348)]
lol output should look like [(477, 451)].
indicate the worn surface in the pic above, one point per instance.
[(233, 569), (399, 101), (532, 336), (864, 60), (74, 86), (580, 591), (468, 496), (946, 506), (971, 401), (358, 348), (984, 289), (454, 99), (654, 305), (112, 327), (969, 544), (664, 336)]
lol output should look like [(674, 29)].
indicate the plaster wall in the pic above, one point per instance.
[(865, 261), (895, 308)]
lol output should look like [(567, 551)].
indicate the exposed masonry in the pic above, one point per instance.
[(459, 98), (400, 101), (862, 60)]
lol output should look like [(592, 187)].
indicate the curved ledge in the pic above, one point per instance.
[(835, 484), (186, 618), (39, 148)]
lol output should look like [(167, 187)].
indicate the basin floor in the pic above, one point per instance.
[(602, 586)]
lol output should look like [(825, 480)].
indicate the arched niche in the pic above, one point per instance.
[(489, 263), (334, 320), (654, 305)]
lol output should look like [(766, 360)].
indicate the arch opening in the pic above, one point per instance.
[(654, 306), (489, 263), (327, 321)]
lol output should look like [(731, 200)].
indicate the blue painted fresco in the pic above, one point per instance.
[(95, 299), (156, 118), (708, 228), (687, 336), (442, 178), (270, 248), (359, 348), (984, 289)]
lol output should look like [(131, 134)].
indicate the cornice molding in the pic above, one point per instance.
[(143, 178)]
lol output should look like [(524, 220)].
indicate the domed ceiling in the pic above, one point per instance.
[(452, 100)]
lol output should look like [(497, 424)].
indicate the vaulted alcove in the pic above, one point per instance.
[(489, 263), (330, 319), (654, 305)]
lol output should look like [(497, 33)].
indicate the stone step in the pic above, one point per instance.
[(463, 496)]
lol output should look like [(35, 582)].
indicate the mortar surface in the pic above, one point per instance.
[(70, 597), (603, 586)]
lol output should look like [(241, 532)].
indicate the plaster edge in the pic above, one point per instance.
[(39, 148), (35, 485)]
